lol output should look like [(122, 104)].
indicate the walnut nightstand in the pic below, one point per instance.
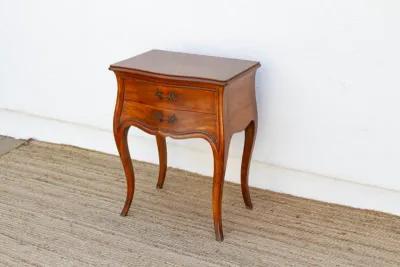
[(185, 96)]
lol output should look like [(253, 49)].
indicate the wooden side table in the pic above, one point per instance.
[(183, 96)]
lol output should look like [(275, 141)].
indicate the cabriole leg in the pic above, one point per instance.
[(220, 159), (250, 136), (121, 139), (162, 156)]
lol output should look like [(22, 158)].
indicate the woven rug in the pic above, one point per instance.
[(59, 206)]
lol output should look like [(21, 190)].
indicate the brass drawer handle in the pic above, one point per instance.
[(159, 117), (171, 96), (172, 119)]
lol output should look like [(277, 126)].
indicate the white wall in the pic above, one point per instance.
[(328, 88)]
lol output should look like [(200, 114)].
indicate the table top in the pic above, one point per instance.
[(185, 65)]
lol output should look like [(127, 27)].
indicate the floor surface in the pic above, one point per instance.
[(59, 206), (7, 144)]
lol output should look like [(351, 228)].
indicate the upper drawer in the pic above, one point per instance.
[(170, 97)]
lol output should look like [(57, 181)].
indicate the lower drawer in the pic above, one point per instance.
[(169, 121)]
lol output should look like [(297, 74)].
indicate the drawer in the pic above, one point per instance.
[(170, 97), (170, 121)]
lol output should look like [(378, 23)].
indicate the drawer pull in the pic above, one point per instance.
[(172, 119), (171, 96), (159, 117)]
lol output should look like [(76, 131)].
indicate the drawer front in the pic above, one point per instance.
[(170, 97), (170, 121)]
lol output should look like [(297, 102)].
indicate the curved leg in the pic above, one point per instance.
[(120, 135), (250, 136), (220, 158), (162, 156)]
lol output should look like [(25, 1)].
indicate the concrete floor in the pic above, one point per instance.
[(7, 144)]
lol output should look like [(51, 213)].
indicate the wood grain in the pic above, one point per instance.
[(176, 64), (188, 96), (170, 97), (158, 119), (162, 155)]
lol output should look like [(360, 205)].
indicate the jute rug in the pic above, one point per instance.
[(59, 206)]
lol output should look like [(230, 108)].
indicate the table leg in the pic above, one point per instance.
[(250, 136), (121, 139), (220, 159), (162, 156)]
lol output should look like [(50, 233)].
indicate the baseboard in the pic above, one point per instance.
[(263, 175)]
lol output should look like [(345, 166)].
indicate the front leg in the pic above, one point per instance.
[(162, 156), (220, 159), (121, 139)]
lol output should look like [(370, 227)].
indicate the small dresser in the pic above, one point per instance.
[(183, 95)]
